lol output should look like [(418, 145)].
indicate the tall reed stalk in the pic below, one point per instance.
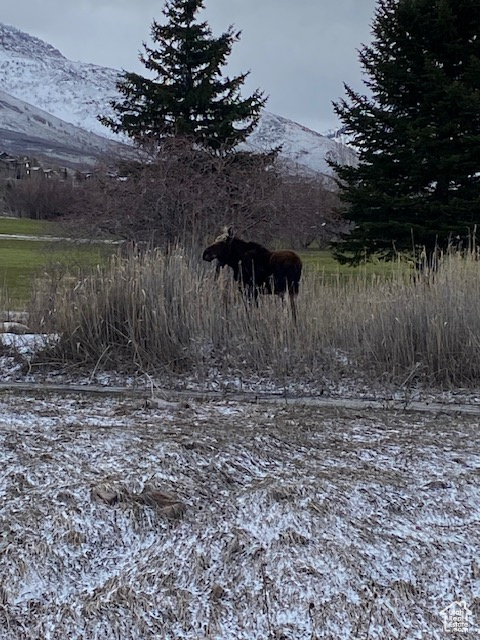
[(166, 312)]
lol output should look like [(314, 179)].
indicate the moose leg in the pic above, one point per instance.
[(293, 305), (292, 288)]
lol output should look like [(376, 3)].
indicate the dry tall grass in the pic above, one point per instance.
[(166, 312)]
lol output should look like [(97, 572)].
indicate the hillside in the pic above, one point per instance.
[(27, 130), (39, 74)]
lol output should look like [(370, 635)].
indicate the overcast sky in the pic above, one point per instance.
[(299, 53)]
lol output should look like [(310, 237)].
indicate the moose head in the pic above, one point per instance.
[(220, 250)]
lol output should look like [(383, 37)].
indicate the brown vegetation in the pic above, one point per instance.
[(38, 198), (185, 195), (166, 313)]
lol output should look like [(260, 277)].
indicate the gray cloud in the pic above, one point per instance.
[(298, 53)]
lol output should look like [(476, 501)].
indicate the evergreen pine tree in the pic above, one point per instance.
[(189, 97), (417, 183)]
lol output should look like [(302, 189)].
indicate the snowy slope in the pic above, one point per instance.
[(25, 129), (299, 145), (35, 72), (76, 92)]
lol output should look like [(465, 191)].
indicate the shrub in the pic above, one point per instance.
[(38, 199)]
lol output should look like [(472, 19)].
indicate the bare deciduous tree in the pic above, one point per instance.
[(186, 195)]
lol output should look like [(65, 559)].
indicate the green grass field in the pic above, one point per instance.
[(321, 260), (22, 260), (27, 227)]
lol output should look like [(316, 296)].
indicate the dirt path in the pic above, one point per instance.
[(433, 407)]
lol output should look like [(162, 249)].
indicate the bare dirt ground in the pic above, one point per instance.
[(226, 520)]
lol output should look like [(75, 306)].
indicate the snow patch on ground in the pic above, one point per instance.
[(299, 523), (16, 359)]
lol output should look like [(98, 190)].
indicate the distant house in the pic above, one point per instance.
[(36, 171), (18, 168), (14, 168), (55, 174)]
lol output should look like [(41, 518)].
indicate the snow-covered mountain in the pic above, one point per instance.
[(301, 147), (39, 74), (76, 92)]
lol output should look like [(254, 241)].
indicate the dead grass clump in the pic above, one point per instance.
[(164, 312), (164, 503), (427, 330)]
